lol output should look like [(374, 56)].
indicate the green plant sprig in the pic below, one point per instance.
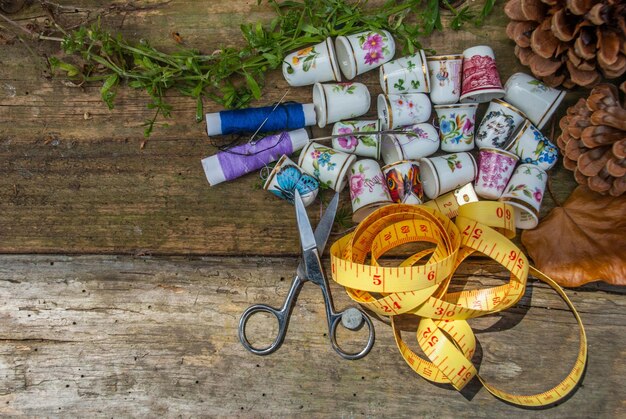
[(233, 77)]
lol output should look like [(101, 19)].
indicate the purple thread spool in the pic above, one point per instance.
[(246, 158)]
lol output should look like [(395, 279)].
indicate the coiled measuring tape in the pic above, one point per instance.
[(443, 333)]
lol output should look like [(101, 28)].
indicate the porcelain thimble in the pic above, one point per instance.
[(445, 173), (525, 192), (481, 80), (456, 126), (499, 123), (403, 182), (361, 145), (286, 177), (531, 146), (364, 51), (422, 140), (495, 168), (532, 97), (368, 189), (338, 101), (401, 110), (445, 77), (406, 75), (312, 65), (327, 165)]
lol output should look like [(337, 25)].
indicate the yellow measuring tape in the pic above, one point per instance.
[(443, 333)]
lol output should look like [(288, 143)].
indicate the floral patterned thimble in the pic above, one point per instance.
[(368, 189), (327, 165), (361, 145), (445, 173), (403, 182), (532, 97), (525, 192), (287, 177), (401, 110), (456, 126), (495, 168), (421, 140), (312, 65), (445, 77), (499, 123), (406, 75), (338, 101), (481, 80), (531, 146), (364, 51)]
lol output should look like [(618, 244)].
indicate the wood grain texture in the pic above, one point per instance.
[(72, 176), (122, 336)]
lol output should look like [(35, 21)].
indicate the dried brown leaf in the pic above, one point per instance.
[(582, 241)]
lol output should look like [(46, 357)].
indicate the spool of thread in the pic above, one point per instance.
[(287, 116), (246, 158)]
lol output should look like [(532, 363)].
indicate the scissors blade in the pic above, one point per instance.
[(323, 229), (307, 237)]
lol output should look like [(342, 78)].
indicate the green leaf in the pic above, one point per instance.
[(310, 29), (368, 141), (487, 9), (70, 69), (109, 90), (197, 91), (254, 86)]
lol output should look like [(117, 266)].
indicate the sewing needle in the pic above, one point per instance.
[(267, 119)]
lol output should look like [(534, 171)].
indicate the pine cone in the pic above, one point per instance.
[(569, 42), (593, 140)]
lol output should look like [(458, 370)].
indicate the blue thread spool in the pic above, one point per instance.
[(285, 117)]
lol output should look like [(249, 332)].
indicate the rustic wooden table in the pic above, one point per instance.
[(123, 274)]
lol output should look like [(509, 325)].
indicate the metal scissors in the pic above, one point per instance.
[(310, 269)]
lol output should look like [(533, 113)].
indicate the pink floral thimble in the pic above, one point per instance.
[(368, 188), (364, 144), (481, 80), (495, 168)]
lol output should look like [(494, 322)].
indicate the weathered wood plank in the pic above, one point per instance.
[(112, 197), (121, 336)]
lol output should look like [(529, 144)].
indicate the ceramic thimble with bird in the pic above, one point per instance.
[(311, 65)]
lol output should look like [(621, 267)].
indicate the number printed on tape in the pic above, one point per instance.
[(443, 333)]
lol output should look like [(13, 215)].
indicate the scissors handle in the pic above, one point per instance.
[(255, 309), (349, 319), (282, 316)]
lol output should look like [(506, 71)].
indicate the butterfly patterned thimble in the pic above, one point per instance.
[(403, 182), (287, 177)]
